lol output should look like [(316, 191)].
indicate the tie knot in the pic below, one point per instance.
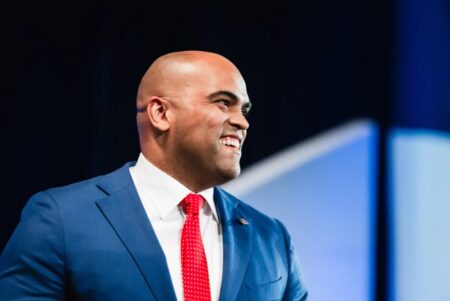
[(192, 203)]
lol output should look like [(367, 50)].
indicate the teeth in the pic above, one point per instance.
[(229, 141)]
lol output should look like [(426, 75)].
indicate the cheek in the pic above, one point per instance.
[(201, 125), (215, 118), (211, 121)]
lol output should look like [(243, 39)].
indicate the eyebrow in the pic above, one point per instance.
[(246, 105)]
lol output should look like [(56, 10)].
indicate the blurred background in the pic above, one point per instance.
[(350, 125)]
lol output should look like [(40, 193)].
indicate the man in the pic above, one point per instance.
[(133, 234)]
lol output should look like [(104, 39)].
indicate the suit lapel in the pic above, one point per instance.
[(237, 244), (124, 211)]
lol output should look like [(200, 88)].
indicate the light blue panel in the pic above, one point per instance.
[(420, 213), (328, 205)]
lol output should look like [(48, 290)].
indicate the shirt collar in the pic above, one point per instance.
[(165, 192)]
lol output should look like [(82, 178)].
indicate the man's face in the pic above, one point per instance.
[(210, 125)]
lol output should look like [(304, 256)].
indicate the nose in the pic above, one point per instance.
[(238, 120)]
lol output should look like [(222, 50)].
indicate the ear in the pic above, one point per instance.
[(157, 111)]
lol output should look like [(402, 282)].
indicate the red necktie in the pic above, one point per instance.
[(194, 267)]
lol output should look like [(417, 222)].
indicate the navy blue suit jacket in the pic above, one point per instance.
[(93, 241)]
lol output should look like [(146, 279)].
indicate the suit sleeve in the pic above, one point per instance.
[(32, 263), (295, 288)]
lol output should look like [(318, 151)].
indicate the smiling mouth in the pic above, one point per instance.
[(230, 142)]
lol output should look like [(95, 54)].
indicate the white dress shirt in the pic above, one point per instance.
[(160, 195)]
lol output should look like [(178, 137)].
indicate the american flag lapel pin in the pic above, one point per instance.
[(242, 221)]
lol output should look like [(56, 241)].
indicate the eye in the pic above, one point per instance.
[(224, 102), (245, 109)]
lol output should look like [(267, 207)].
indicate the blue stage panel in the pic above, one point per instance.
[(327, 201)]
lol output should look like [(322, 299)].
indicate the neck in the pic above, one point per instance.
[(194, 182)]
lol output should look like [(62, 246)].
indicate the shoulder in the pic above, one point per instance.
[(86, 191), (264, 223)]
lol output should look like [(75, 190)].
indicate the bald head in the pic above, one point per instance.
[(170, 73), (191, 117)]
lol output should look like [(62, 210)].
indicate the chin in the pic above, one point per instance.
[(228, 174)]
